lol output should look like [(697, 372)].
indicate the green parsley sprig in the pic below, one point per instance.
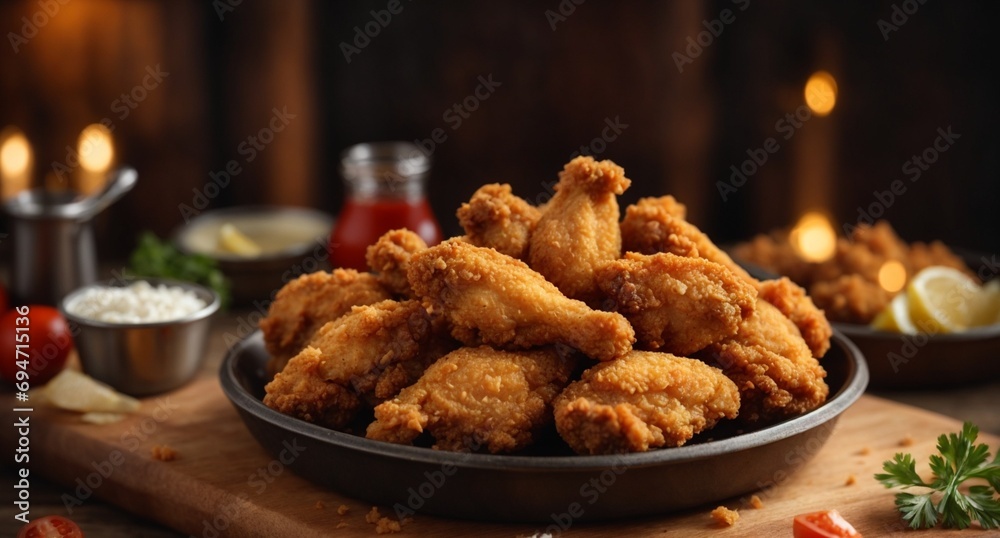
[(156, 258), (960, 460)]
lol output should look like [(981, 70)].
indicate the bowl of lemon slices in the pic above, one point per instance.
[(259, 248), (942, 329)]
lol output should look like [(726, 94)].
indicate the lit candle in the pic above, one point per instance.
[(16, 160)]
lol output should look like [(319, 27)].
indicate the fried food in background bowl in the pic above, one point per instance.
[(918, 311)]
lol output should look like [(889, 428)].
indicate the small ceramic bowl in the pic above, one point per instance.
[(141, 359), (293, 241)]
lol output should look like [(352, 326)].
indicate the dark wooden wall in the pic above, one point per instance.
[(558, 88)]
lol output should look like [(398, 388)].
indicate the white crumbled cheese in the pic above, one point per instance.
[(137, 303)]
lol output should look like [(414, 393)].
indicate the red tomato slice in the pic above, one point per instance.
[(827, 524), (51, 527)]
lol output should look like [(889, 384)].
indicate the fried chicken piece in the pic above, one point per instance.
[(641, 401), (389, 258), (771, 364), (494, 217), (477, 399), (579, 229), (654, 225), (491, 298), (305, 304), (851, 298), (793, 302), (341, 368), (676, 304)]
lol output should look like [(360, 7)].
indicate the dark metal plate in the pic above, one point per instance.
[(538, 488)]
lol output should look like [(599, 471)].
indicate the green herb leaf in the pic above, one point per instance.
[(160, 259), (960, 459)]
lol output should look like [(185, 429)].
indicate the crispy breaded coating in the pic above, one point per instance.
[(654, 225), (494, 217), (389, 258), (579, 229), (793, 302), (305, 304), (676, 304), (641, 401), (344, 362), (477, 399), (302, 391), (775, 370), (491, 298)]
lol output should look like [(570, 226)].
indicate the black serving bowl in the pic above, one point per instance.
[(531, 488), (915, 361)]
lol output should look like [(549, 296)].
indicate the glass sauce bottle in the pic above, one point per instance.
[(384, 190)]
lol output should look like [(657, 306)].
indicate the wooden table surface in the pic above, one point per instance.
[(969, 403)]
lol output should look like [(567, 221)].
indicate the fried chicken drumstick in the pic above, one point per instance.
[(491, 298), (305, 304), (355, 360), (494, 217), (477, 399), (676, 304), (641, 401), (579, 229), (771, 364)]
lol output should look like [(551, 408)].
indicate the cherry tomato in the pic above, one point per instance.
[(826, 524), (48, 341), (51, 527)]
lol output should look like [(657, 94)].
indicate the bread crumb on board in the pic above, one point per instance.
[(851, 480), (387, 526), (163, 453), (865, 451), (725, 516), (907, 440), (373, 515), (320, 505), (343, 510), (756, 502)]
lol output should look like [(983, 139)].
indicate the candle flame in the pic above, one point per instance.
[(892, 276), (96, 148), (813, 238), (15, 162), (821, 93)]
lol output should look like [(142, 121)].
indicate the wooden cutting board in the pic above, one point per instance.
[(223, 481)]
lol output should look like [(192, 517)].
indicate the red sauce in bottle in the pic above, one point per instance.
[(385, 191)]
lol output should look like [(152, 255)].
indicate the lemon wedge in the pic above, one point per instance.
[(896, 317), (943, 299), (233, 241), (988, 307)]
